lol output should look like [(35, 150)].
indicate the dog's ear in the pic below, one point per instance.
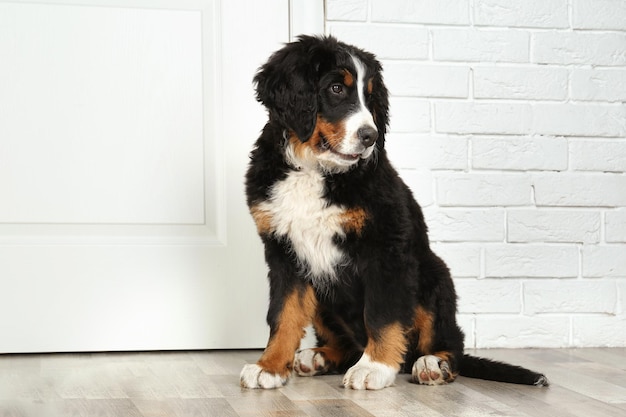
[(287, 85)]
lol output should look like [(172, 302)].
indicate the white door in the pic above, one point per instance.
[(125, 127)]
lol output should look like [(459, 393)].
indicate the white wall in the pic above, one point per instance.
[(509, 123)]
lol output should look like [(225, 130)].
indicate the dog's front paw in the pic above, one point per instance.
[(430, 370), (368, 374), (310, 362), (253, 376)]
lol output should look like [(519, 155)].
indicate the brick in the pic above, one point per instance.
[(480, 45), (350, 10), (599, 14), (570, 296), (520, 153), (409, 115), (488, 296), (457, 225), (604, 261), (450, 12), (427, 152), (483, 118), (579, 48), (483, 190), (532, 261), (615, 226), (528, 13), (462, 259), (598, 155), (421, 184), (426, 80), (621, 289), (553, 226), (606, 84), (564, 119), (579, 190), (392, 42), (520, 83), (598, 331), (511, 331), (561, 119)]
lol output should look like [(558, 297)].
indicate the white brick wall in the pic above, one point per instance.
[(508, 121)]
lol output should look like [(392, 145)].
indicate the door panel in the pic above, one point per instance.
[(124, 133), (106, 103)]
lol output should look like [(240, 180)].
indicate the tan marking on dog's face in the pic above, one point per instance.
[(388, 346), (304, 153), (370, 85), (332, 133), (423, 322), (263, 220), (348, 78), (297, 313), (353, 220)]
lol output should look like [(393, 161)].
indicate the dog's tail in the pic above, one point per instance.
[(475, 367)]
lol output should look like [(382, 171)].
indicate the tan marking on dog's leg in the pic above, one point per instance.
[(389, 346), (423, 322), (380, 361), (331, 354), (330, 348), (297, 313)]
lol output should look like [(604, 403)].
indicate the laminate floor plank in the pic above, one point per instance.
[(584, 383)]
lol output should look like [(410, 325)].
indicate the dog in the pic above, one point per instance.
[(345, 241)]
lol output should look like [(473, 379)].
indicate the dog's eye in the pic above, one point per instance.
[(336, 88)]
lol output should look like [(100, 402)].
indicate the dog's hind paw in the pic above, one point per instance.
[(430, 370), (310, 362), (253, 376)]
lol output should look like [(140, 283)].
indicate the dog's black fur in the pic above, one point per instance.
[(385, 299)]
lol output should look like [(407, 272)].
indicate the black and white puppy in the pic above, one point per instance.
[(345, 241)]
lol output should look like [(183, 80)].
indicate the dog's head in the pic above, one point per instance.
[(330, 99)]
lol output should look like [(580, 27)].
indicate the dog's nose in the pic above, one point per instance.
[(367, 135)]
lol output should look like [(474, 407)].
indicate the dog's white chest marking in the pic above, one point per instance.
[(299, 212)]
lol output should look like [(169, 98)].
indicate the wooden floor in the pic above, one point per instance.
[(585, 382)]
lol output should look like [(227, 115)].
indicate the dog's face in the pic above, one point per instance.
[(330, 99)]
